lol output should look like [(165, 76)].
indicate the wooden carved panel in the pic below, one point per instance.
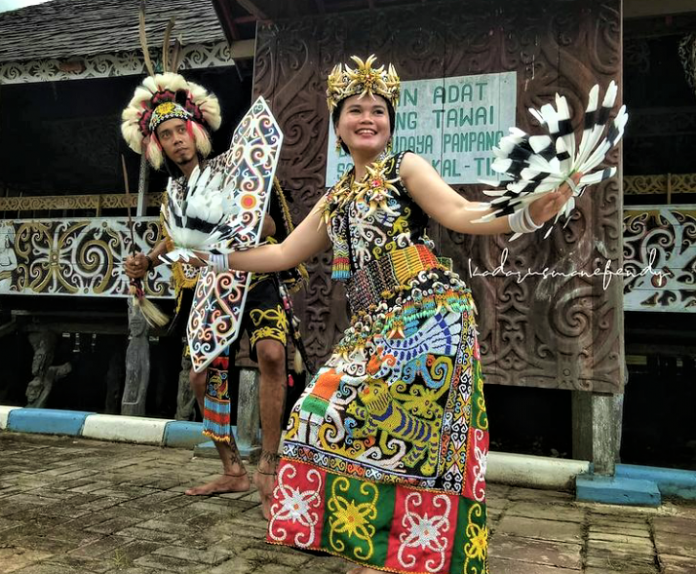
[(660, 258), (77, 202), (82, 257), (557, 332)]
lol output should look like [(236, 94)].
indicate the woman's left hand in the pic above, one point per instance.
[(547, 206)]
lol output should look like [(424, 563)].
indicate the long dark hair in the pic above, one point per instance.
[(337, 114)]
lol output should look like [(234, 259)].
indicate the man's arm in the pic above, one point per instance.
[(138, 265), (268, 227)]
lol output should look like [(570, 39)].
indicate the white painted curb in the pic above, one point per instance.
[(504, 468), (125, 429), (534, 471), (4, 415)]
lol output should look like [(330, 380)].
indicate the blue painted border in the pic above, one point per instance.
[(183, 434), (47, 421), (670, 481), (617, 490), (632, 484)]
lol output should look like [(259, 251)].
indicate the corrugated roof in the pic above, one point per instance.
[(66, 28)]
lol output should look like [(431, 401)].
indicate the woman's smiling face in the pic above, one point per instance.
[(363, 124)]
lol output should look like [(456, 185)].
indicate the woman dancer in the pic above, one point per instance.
[(384, 455)]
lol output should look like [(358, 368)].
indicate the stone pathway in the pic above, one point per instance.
[(81, 506)]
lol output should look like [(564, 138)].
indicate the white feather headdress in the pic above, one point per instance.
[(169, 86)]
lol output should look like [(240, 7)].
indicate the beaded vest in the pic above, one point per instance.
[(371, 217)]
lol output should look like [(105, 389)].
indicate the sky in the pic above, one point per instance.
[(6, 5)]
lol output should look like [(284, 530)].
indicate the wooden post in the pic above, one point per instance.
[(185, 399), (248, 414), (114, 377), (596, 429), (137, 364), (143, 185)]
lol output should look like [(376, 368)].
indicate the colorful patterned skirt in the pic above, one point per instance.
[(384, 457)]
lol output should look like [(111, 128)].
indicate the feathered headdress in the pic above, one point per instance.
[(534, 165), (165, 96), (344, 81)]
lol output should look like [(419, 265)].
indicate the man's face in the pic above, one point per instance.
[(176, 141)]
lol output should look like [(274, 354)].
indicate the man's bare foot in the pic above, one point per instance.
[(265, 480), (363, 570), (264, 483), (221, 485)]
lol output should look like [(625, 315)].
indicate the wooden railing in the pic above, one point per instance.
[(82, 256), (95, 203), (669, 184), (76, 256), (660, 254)]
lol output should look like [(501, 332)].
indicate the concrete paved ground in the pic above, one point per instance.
[(79, 506)]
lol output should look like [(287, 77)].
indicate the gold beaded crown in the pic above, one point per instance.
[(344, 82)]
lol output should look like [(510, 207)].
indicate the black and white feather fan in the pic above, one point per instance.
[(534, 165), (200, 221)]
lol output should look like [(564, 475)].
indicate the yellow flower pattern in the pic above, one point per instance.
[(351, 518), (476, 549)]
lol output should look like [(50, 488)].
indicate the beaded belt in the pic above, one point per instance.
[(379, 277)]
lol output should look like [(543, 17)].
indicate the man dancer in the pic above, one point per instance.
[(168, 119)]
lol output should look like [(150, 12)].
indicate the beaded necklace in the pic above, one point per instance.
[(375, 189)]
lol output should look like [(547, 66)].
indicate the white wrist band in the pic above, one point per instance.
[(521, 221), (218, 261), (516, 222), (529, 221)]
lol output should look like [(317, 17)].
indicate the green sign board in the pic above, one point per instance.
[(452, 122)]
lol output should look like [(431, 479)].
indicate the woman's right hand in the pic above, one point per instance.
[(201, 259)]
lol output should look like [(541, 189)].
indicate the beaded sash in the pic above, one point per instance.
[(378, 278)]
